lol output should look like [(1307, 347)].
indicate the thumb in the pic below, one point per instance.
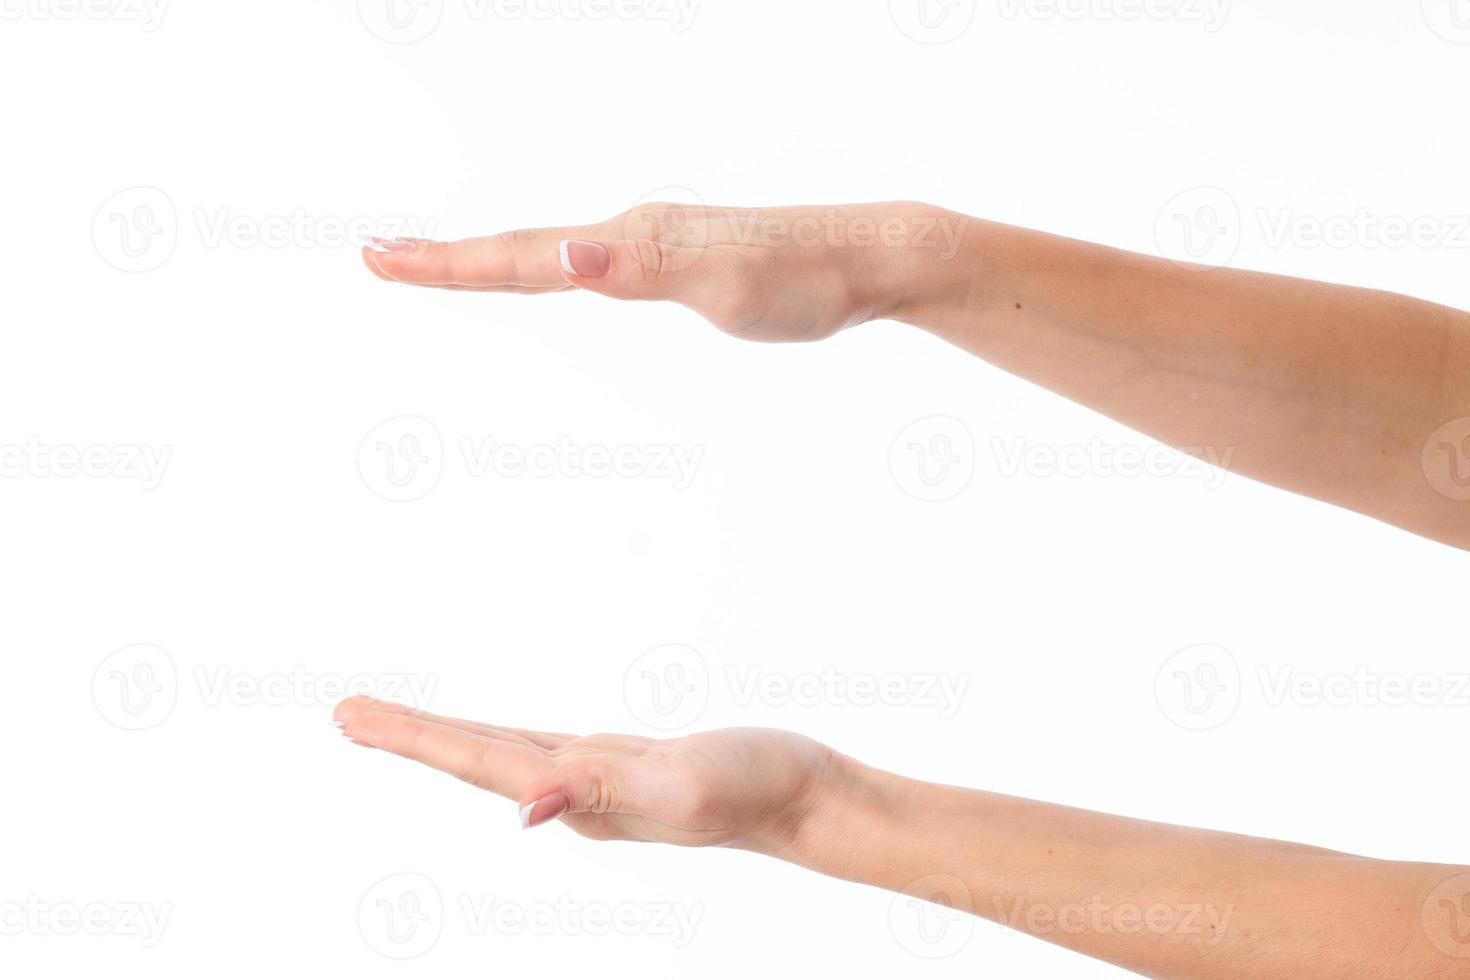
[(636, 269), (598, 784)]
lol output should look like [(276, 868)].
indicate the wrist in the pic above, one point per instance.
[(851, 812), (930, 270)]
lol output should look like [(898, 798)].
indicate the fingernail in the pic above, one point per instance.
[(393, 244), (544, 810), (339, 725), (586, 260)]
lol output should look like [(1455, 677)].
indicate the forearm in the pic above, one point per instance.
[(1160, 900), (1324, 390)]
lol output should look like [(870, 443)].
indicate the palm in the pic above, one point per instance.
[(735, 785), (743, 787)]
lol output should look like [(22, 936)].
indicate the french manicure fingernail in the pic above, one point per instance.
[(544, 810), (381, 245), (586, 260)]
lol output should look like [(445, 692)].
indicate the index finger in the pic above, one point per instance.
[(530, 258), (502, 767), (360, 704)]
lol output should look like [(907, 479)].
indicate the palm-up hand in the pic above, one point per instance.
[(748, 788), (777, 274)]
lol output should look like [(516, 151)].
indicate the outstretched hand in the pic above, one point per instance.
[(779, 274), (747, 788)]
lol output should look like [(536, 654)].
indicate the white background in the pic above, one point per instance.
[(267, 552)]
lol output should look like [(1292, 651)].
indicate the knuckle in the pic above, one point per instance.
[(651, 261), (476, 767), (663, 221), (599, 791), (516, 244), (448, 258)]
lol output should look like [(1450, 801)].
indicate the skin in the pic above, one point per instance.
[(1159, 900), (1354, 397)]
